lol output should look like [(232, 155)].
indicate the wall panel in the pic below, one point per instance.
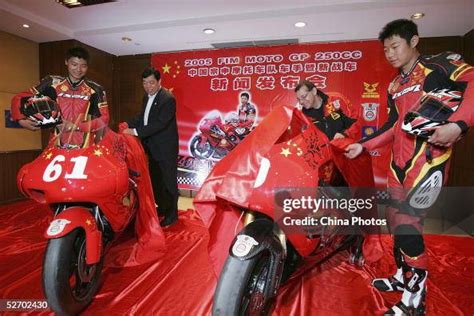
[(128, 83), (10, 163), (18, 72), (462, 168)]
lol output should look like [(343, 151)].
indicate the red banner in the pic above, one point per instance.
[(209, 87)]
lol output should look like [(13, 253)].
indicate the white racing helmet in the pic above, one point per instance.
[(232, 117)]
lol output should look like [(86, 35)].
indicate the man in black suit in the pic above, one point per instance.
[(156, 126)]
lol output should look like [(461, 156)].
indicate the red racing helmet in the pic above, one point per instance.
[(434, 110), (43, 110)]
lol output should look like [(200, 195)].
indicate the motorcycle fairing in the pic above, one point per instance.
[(78, 217), (102, 165)]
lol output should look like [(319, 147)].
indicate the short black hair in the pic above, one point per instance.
[(245, 94), (78, 52), (305, 83), (151, 71), (404, 28)]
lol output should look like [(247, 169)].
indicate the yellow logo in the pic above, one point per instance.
[(86, 90), (330, 108), (371, 90), (63, 88), (368, 131), (335, 115)]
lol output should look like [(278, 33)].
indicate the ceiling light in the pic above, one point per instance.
[(126, 39), (417, 15), (81, 3), (70, 2), (300, 24), (25, 26), (209, 31)]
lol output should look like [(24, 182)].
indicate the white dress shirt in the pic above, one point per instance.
[(151, 98)]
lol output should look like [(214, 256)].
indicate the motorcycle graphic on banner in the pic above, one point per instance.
[(217, 137)]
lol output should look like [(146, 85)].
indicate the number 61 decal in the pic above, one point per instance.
[(54, 169)]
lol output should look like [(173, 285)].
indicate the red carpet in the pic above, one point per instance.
[(182, 281)]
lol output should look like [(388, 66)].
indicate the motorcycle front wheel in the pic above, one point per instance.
[(241, 287), (69, 283), (198, 150)]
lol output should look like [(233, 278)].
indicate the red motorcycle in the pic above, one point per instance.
[(217, 138), (284, 154), (84, 176)]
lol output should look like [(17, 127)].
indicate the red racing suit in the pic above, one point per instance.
[(76, 100), (415, 164), (247, 113)]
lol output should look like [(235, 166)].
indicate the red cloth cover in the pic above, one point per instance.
[(150, 241), (230, 183)]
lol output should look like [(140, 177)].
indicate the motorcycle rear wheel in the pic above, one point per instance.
[(69, 283), (241, 287)]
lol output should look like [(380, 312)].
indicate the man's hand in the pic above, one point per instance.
[(128, 131), (446, 135), (29, 124), (353, 150), (338, 135)]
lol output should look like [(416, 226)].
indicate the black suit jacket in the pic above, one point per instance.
[(160, 135)]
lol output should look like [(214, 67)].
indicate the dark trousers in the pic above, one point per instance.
[(165, 186)]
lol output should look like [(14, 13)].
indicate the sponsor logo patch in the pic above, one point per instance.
[(371, 90), (243, 245), (415, 88), (57, 227), (454, 57), (368, 130), (74, 96), (370, 111)]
